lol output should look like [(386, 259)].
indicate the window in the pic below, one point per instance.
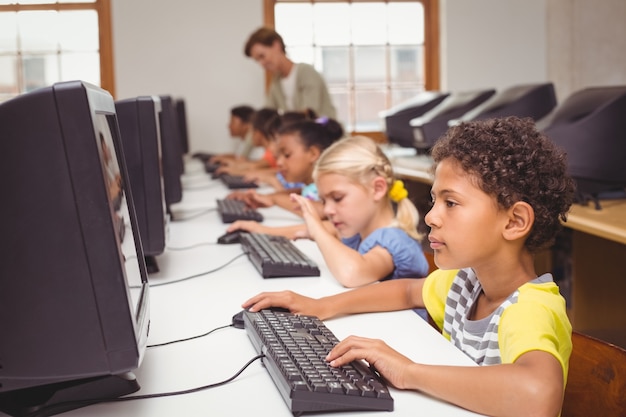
[(43, 42), (373, 54)]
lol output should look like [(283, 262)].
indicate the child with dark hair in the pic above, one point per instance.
[(240, 128), (260, 137), (499, 194), (299, 145)]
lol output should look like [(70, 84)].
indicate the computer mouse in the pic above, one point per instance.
[(230, 237), (238, 320)]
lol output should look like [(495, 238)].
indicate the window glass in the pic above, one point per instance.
[(407, 64), (39, 70), (80, 66), (8, 29), (38, 31), (84, 22), (8, 77), (295, 22), (369, 23), (368, 104), (330, 26), (369, 65), (336, 64), (371, 53), (406, 23)]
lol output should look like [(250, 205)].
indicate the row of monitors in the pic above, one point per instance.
[(590, 124), (86, 186)]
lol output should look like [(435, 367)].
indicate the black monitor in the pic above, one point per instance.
[(74, 307), (527, 100), (172, 162), (590, 125), (397, 119), (138, 119), (428, 127), (181, 113)]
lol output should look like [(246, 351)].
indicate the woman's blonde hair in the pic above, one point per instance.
[(361, 160)]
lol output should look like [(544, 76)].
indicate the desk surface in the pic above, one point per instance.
[(608, 223), (196, 306)]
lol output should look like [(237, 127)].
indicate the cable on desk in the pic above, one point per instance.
[(195, 275), (193, 216), (171, 342), (45, 411), (195, 245)]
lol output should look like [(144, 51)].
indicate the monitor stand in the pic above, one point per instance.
[(52, 399), (151, 264)]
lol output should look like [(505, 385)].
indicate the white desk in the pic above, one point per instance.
[(195, 306)]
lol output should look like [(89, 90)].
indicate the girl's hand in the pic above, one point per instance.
[(295, 303), (388, 362), (248, 226), (310, 215), (256, 200)]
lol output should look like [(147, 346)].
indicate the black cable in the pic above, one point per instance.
[(187, 391), (80, 403), (195, 275), (196, 215), (190, 338)]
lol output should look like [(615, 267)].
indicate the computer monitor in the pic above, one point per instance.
[(74, 307), (396, 119), (527, 100), (181, 113), (138, 119), (590, 125), (428, 127), (172, 162)]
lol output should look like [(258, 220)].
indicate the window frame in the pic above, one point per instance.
[(103, 8), (431, 42)]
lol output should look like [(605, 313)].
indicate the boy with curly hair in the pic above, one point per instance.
[(499, 193)]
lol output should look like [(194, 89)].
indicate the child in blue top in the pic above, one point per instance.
[(374, 235)]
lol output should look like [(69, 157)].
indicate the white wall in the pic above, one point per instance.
[(191, 49), (492, 43)]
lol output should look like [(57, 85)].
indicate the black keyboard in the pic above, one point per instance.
[(233, 210), (295, 348), (211, 167), (236, 181), (277, 256)]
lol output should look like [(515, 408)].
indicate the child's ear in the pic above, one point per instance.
[(315, 153), (521, 219), (380, 188)]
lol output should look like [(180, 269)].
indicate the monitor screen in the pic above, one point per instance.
[(140, 135), (74, 305)]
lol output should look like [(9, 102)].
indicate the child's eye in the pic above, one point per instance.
[(450, 203)]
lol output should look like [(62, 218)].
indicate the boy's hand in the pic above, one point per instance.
[(248, 226), (295, 303), (388, 362)]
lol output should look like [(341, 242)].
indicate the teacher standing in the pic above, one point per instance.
[(294, 86)]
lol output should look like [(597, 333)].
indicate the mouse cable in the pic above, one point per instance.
[(195, 245), (44, 411), (171, 342), (160, 284), (193, 216)]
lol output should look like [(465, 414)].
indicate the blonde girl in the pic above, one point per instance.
[(374, 235)]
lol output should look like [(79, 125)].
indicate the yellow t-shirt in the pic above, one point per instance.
[(533, 318)]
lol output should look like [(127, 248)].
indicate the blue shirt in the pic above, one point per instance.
[(408, 258)]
